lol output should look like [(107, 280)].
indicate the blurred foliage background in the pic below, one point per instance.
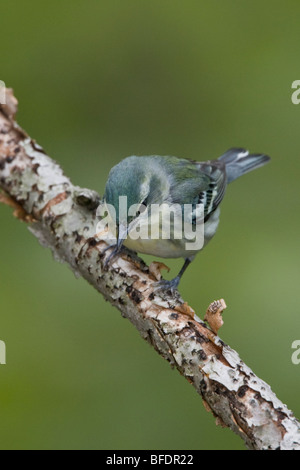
[(98, 81)]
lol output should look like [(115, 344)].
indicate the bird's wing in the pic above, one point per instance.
[(214, 193), (198, 183)]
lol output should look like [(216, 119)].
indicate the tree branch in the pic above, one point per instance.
[(63, 218)]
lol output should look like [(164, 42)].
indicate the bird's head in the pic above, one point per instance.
[(131, 187)]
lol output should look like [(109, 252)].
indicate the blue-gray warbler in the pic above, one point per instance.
[(170, 201)]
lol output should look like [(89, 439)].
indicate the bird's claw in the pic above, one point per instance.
[(115, 251), (167, 286)]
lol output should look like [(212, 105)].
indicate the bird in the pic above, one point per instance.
[(193, 190)]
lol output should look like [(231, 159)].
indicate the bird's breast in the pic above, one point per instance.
[(168, 237)]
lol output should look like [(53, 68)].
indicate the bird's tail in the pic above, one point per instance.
[(239, 161)]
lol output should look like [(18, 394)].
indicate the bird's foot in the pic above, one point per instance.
[(167, 286), (115, 251)]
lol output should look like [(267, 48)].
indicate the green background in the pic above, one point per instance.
[(98, 81)]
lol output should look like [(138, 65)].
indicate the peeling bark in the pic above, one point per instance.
[(63, 218)]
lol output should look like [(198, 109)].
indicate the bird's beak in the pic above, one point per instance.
[(122, 235)]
